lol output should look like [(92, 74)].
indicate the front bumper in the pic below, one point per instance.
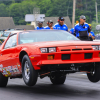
[(75, 57), (45, 62)]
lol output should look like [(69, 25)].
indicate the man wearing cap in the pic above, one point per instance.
[(91, 34), (50, 25), (82, 29), (61, 25), (40, 26)]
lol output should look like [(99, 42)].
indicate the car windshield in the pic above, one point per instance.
[(44, 36)]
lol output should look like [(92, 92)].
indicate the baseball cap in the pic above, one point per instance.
[(40, 22), (50, 21), (82, 17), (61, 18)]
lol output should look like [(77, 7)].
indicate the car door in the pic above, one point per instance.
[(8, 52)]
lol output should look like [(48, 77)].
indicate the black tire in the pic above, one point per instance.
[(57, 80), (29, 75), (3, 80), (94, 75)]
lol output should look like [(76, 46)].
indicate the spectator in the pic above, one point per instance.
[(50, 25), (82, 29), (60, 25), (40, 26)]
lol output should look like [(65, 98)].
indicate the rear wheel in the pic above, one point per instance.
[(3, 80), (58, 79), (94, 75), (29, 74)]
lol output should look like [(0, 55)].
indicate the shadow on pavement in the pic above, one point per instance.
[(52, 90)]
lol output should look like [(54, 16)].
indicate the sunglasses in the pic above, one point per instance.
[(62, 19), (84, 19)]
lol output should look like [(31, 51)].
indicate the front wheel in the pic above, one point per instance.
[(56, 79), (94, 75), (29, 74)]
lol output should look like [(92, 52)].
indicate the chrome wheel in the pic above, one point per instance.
[(28, 73), (27, 70)]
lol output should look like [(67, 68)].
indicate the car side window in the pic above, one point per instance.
[(11, 42)]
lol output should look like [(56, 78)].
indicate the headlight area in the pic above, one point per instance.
[(48, 50), (96, 47)]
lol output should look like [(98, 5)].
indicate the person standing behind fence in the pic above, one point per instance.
[(60, 25)]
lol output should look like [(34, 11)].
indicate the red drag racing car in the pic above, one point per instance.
[(52, 53)]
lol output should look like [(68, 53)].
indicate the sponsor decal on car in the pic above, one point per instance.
[(19, 67), (10, 70), (4, 72)]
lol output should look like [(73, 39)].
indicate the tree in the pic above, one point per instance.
[(19, 8), (3, 11)]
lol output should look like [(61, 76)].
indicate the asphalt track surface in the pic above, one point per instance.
[(76, 87)]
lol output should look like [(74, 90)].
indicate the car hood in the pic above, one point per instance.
[(63, 43)]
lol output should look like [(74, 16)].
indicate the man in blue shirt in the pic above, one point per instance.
[(50, 25), (61, 25), (82, 29), (40, 26)]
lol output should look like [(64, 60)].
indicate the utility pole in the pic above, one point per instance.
[(96, 12), (73, 18), (36, 12)]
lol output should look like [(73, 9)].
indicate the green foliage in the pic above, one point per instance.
[(3, 11), (19, 8), (94, 24)]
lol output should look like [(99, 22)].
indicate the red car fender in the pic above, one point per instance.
[(30, 52)]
